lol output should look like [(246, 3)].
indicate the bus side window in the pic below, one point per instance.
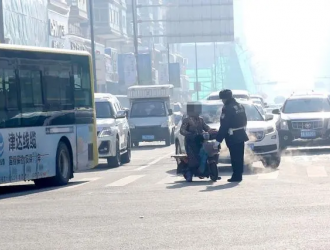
[(57, 84), (9, 108), (31, 97), (82, 82)]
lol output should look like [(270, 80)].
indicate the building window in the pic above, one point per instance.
[(101, 15)]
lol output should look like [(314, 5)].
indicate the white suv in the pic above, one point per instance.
[(113, 134), (263, 144)]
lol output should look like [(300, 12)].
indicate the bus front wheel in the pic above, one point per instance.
[(63, 168)]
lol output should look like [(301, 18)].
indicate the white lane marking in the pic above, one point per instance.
[(124, 181), (153, 162), (84, 182), (170, 179), (316, 171), (268, 176)]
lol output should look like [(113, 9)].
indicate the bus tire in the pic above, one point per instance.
[(63, 168), (126, 158), (115, 161)]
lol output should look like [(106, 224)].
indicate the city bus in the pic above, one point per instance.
[(47, 119)]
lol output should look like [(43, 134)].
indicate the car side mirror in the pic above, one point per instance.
[(276, 112), (170, 112), (126, 111), (121, 114), (269, 117)]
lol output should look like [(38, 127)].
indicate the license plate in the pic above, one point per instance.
[(148, 137), (308, 134), (251, 146)]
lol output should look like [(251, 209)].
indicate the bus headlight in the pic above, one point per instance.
[(284, 125), (105, 132)]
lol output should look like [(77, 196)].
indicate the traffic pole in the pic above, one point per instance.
[(2, 28)]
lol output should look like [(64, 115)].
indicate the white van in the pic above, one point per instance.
[(151, 117), (113, 133)]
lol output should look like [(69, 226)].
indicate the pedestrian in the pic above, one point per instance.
[(233, 122)]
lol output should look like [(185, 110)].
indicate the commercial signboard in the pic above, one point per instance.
[(175, 75), (145, 69), (127, 69), (198, 21)]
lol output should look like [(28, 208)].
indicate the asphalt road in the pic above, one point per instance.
[(143, 205)]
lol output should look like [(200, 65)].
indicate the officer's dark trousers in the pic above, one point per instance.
[(237, 159)]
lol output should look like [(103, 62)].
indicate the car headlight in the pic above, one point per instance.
[(105, 132), (270, 130), (131, 125), (165, 125), (284, 125)]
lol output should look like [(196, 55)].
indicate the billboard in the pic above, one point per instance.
[(175, 75), (199, 21), (127, 69), (145, 69)]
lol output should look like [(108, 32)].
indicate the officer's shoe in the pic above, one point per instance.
[(234, 179)]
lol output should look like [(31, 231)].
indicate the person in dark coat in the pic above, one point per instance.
[(232, 128), (192, 129)]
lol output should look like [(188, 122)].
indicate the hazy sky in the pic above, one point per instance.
[(290, 37)]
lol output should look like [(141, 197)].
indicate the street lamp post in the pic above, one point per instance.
[(91, 17), (135, 31), (2, 32)]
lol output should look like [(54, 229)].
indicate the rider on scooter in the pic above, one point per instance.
[(192, 128)]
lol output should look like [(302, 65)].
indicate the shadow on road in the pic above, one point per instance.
[(99, 168), (148, 147), (13, 191), (184, 184), (220, 187), (307, 147)]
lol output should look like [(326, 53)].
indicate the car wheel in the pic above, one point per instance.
[(115, 161), (273, 161), (168, 139), (172, 138), (126, 158)]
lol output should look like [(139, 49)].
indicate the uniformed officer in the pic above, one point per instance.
[(232, 128)]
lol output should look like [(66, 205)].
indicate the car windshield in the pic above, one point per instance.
[(252, 113), (240, 96), (307, 105), (236, 96), (103, 110), (213, 97), (211, 113), (148, 109), (260, 109)]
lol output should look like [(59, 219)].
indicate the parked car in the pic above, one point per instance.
[(262, 146), (238, 94), (113, 133), (304, 116)]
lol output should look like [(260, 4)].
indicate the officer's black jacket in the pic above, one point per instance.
[(232, 116)]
